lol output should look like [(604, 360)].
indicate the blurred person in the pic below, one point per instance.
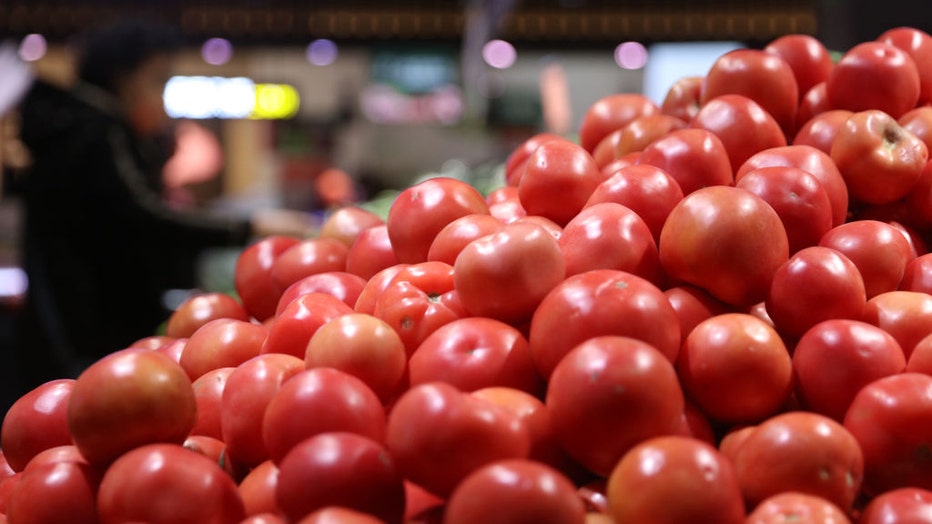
[(100, 244)]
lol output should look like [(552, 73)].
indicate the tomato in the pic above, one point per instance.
[(919, 200), (339, 515), (634, 137), (814, 102), (797, 508), (601, 302), (918, 121), (7, 486), (474, 353), (165, 483), (807, 57), (732, 441), (5, 470), (815, 284), (201, 309), (920, 361), (694, 158), (435, 423), (339, 284), (725, 240), (505, 275), (874, 75), (760, 76), (371, 252), (515, 491), (127, 399), (907, 315), (252, 275), (682, 98), (451, 240), (221, 343), (558, 180), (889, 418), (214, 449), (37, 421), (299, 321), (735, 368), (265, 518), (421, 211), (257, 489), (918, 45), (879, 251), (340, 469), (836, 358), (208, 390), (743, 126), (610, 113), (645, 189), (674, 480), (517, 160), (308, 257), (608, 394), (152, 342), (374, 287), (820, 131), (693, 305), (610, 236), (363, 346), (901, 505), (50, 493), (173, 349), (800, 451), (345, 224), (247, 393)]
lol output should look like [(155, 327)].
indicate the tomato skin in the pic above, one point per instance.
[(558, 180), (339, 284), (682, 98), (693, 305), (674, 480), (201, 309), (879, 251), (800, 451), (634, 137), (294, 328), (889, 418), (903, 505), (451, 240), (208, 390), (886, 77), (221, 343), (907, 315), (127, 399), (252, 275), (695, 158), (339, 515), (601, 302), (306, 258), (345, 224), (56, 492), (610, 113), (796, 507), (517, 160), (807, 57), (367, 299), (257, 489), (37, 421), (515, 491), (743, 126), (814, 102), (920, 361), (371, 252), (609, 393), (167, 484), (820, 131)]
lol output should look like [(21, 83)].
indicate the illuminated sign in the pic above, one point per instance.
[(219, 97)]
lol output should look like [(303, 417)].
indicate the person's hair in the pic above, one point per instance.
[(114, 51)]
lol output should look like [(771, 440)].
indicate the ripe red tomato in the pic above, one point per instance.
[(820, 131), (693, 305), (879, 251), (333, 401), (674, 480), (435, 423), (201, 309), (221, 343), (608, 394), (918, 45), (371, 252), (338, 515), (365, 303), (808, 58), (517, 160), (515, 491), (920, 361), (836, 358), (799, 508), (293, 329), (800, 451), (610, 113), (634, 137), (682, 98), (874, 75), (814, 102), (340, 469), (347, 222), (695, 158), (339, 284), (743, 126), (601, 302), (725, 240), (421, 211), (127, 399), (907, 315), (735, 368), (257, 489), (558, 180), (898, 505), (451, 240), (59, 492), (308, 257), (252, 276), (889, 418), (918, 121), (167, 484), (208, 390), (35, 422)]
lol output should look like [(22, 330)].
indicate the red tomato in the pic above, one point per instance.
[(257, 489), (879, 251), (693, 305), (308, 257), (474, 353), (457, 234), (214, 449), (901, 505), (918, 121), (68, 453), (5, 470), (601, 302), (645, 189), (610, 113), (340, 469), (815, 284), (634, 137), (918, 45), (505, 275), (682, 98), (35, 422), (694, 158), (246, 396), (889, 418), (517, 160), (127, 399), (208, 390), (436, 423), (339, 284), (920, 361), (874, 75), (346, 223), (743, 126), (333, 401), (7, 486), (299, 321), (61, 492), (919, 200), (374, 287), (167, 484), (808, 58), (610, 393), (371, 252), (729, 445), (253, 275), (363, 346), (173, 349), (268, 518), (735, 368), (152, 342), (338, 515), (201, 309), (419, 502), (836, 358), (515, 491), (800, 451), (820, 131), (907, 315), (762, 77), (610, 236), (725, 240), (798, 508), (221, 343), (422, 210), (814, 102), (674, 480), (558, 180)]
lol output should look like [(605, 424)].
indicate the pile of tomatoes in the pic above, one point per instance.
[(715, 310)]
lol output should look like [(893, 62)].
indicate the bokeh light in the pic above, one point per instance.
[(631, 55), (217, 51), (322, 52), (499, 54), (33, 47)]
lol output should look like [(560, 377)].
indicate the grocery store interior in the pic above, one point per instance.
[(269, 94)]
